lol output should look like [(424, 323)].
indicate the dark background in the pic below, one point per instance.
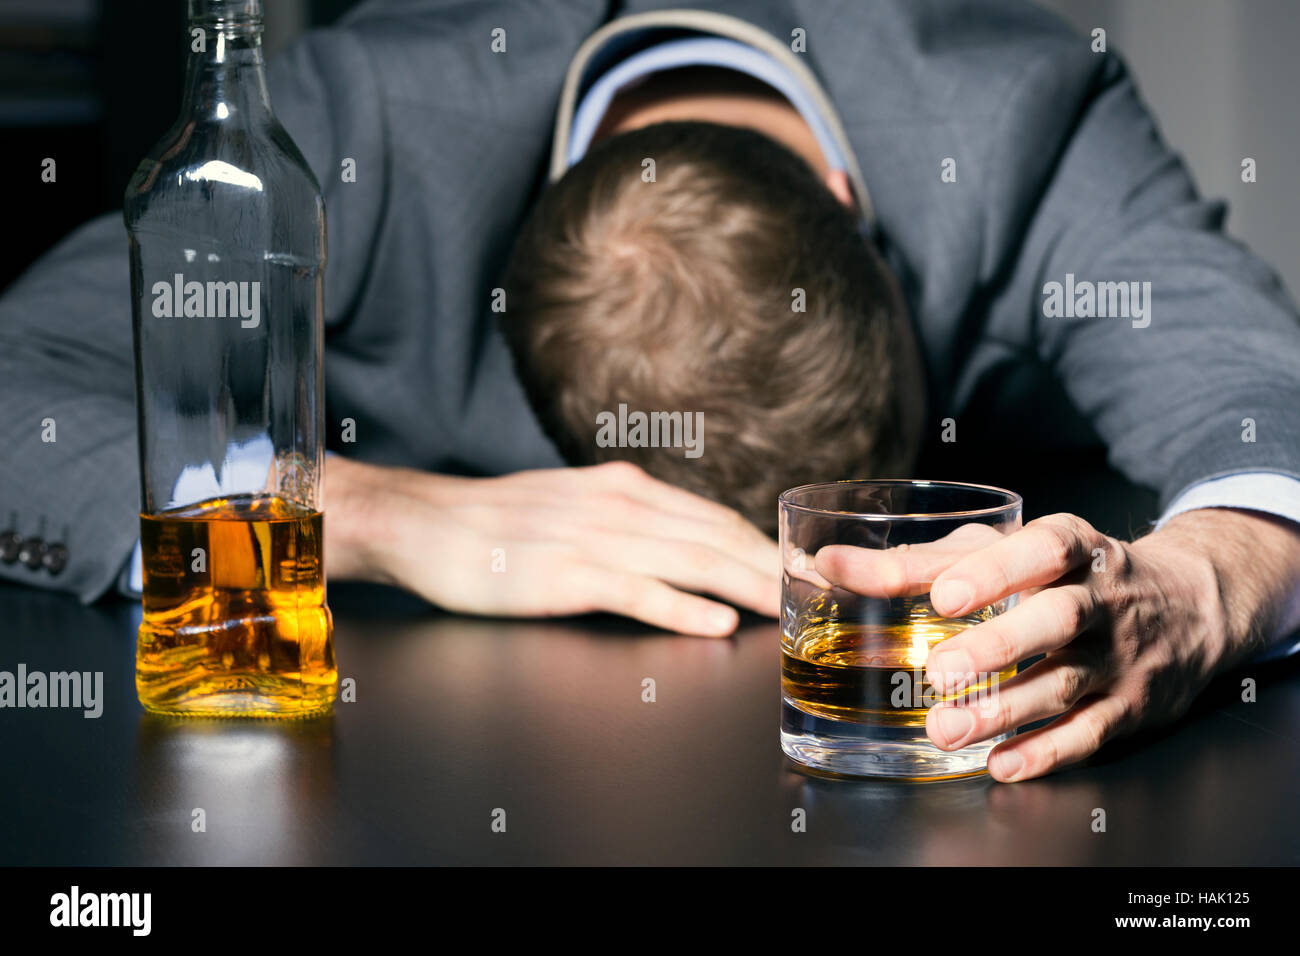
[(94, 84)]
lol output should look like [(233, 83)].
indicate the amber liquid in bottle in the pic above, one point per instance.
[(235, 621)]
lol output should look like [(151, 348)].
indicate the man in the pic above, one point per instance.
[(984, 151)]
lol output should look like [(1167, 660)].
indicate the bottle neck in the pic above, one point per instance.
[(225, 79)]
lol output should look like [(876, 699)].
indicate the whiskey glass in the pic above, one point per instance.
[(857, 625)]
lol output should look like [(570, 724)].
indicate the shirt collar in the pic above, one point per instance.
[(623, 38), (696, 51)]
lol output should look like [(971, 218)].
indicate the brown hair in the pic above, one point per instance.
[(678, 294)]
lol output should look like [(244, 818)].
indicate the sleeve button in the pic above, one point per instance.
[(32, 553), (10, 544), (55, 558)]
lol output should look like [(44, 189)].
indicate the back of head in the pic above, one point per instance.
[(731, 287)]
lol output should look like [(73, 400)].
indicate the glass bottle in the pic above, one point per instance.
[(227, 240)]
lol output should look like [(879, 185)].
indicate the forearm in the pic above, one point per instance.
[(361, 508)]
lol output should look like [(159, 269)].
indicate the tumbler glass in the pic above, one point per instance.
[(857, 625)]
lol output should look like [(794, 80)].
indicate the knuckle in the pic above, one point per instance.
[(1065, 537), (1004, 718), (642, 603), (736, 519), (1127, 646), (1002, 646), (577, 595), (700, 561), (618, 505), (630, 471), (738, 535), (1078, 528), (1051, 521), (1119, 601), (1118, 559), (1092, 730), (1072, 612), (1118, 580), (620, 470), (1069, 685), (731, 521), (1001, 571), (1046, 755), (1058, 548)]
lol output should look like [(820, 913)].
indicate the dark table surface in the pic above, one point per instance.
[(457, 717)]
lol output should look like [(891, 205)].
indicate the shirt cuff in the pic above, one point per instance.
[(1268, 492)]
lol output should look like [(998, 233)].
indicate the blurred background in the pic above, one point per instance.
[(1222, 77), (96, 82)]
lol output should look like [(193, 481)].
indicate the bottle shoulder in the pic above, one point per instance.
[(212, 163), (225, 187)]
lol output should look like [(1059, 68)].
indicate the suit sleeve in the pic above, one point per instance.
[(1207, 382), (68, 451)]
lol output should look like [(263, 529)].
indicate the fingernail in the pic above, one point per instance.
[(954, 723), (1006, 764), (948, 670), (952, 595)]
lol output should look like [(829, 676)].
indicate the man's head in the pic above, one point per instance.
[(733, 284)]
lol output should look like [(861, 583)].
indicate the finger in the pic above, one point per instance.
[(730, 529), (623, 497), (691, 565), (799, 565), (809, 576), (901, 571), (1047, 621), (1048, 688), (1070, 738), (653, 602), (624, 515), (612, 478), (1038, 554), (634, 481), (614, 516)]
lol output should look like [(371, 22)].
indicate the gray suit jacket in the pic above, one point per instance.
[(1059, 170)]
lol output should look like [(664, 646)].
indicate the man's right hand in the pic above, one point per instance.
[(572, 540)]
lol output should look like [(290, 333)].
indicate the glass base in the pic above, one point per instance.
[(242, 707), (863, 750), (236, 695)]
